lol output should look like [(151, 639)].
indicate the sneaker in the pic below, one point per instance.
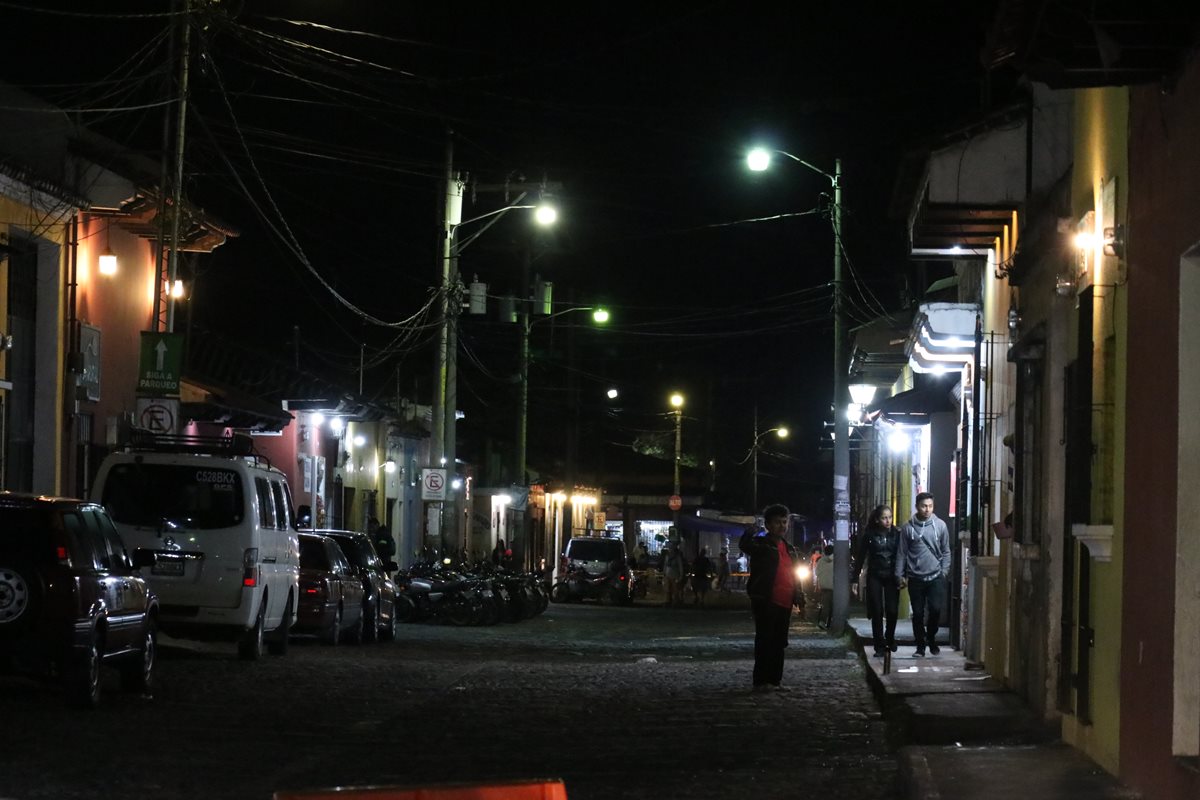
[(893, 647), (919, 652), (779, 687), (934, 649), (762, 687), (879, 652)]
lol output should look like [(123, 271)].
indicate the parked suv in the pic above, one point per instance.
[(596, 556), (71, 598), (379, 598), (218, 519)]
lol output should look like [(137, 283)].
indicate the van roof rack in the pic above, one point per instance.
[(237, 445)]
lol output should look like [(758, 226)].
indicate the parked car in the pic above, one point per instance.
[(589, 556), (331, 592), (379, 591), (70, 597), (218, 518)]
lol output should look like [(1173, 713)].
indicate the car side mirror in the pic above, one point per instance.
[(143, 558)]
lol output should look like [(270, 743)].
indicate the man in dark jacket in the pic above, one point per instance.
[(772, 590)]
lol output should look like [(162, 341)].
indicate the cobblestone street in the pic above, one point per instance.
[(619, 702)]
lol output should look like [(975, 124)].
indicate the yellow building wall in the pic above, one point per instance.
[(17, 215), (1101, 150)]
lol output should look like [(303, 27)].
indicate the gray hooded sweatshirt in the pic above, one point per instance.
[(924, 552)]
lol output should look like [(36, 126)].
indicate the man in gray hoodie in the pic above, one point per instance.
[(923, 562)]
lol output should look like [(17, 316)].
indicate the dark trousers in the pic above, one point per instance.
[(928, 602), (883, 599), (770, 638)]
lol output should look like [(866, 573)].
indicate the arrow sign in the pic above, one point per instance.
[(160, 362)]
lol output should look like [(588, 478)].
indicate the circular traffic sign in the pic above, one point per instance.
[(675, 503), (434, 481)]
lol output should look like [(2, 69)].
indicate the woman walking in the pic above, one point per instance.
[(876, 550)]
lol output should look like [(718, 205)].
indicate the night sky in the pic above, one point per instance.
[(319, 130)]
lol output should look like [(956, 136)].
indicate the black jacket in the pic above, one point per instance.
[(876, 550), (764, 560)]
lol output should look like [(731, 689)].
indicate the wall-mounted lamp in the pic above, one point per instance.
[(359, 440), (862, 393), (389, 466), (107, 262), (177, 289), (1014, 321)]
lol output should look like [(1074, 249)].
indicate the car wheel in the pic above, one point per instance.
[(357, 631), (82, 675), (137, 673), (280, 639), (20, 594), (388, 632), (333, 634), (250, 646), (370, 623)]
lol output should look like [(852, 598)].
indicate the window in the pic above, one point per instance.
[(150, 495), (283, 516), (266, 503), (115, 557), (313, 555), (87, 549)]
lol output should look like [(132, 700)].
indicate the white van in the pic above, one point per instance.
[(219, 521)]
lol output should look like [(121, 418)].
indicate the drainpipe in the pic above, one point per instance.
[(74, 362)]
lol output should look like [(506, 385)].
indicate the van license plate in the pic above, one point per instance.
[(173, 566)]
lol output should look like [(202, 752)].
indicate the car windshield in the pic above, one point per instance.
[(357, 551), (595, 550), (193, 497)]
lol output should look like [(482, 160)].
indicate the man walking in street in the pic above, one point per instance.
[(772, 590), (923, 562)]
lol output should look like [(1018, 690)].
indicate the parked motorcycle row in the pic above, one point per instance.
[(483, 594)]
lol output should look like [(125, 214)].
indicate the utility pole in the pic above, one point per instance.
[(442, 381), (177, 189), (841, 426)]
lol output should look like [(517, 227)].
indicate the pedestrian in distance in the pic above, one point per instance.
[(824, 572), (381, 537), (498, 553), (722, 579), (702, 571), (923, 564), (641, 556), (673, 570), (876, 551), (772, 590)]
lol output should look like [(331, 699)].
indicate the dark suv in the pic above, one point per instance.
[(70, 597)]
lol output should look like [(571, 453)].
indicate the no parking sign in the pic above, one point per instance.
[(433, 484)]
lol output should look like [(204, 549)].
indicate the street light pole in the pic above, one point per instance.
[(759, 159), (841, 425), (677, 402)]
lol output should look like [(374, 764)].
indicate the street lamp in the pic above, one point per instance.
[(758, 160), (780, 431), (677, 404), (443, 425)]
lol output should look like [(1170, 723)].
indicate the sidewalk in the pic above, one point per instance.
[(964, 736)]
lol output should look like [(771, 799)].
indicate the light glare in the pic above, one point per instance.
[(545, 214), (758, 159)]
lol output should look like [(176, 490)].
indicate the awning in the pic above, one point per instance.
[(914, 406), (702, 525), (942, 337)]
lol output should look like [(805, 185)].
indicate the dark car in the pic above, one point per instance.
[(70, 597), (331, 592), (379, 592)]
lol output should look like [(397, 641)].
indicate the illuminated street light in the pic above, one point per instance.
[(758, 160)]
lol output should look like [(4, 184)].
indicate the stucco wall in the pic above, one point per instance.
[(1164, 223)]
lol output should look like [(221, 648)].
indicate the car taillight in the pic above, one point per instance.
[(250, 567), (315, 589), (63, 556), (622, 577)]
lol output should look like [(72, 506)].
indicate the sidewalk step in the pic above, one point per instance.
[(1041, 772)]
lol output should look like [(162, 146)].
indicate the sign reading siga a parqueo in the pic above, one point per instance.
[(160, 363)]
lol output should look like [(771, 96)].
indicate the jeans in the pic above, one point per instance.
[(883, 600), (928, 602), (770, 638)]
